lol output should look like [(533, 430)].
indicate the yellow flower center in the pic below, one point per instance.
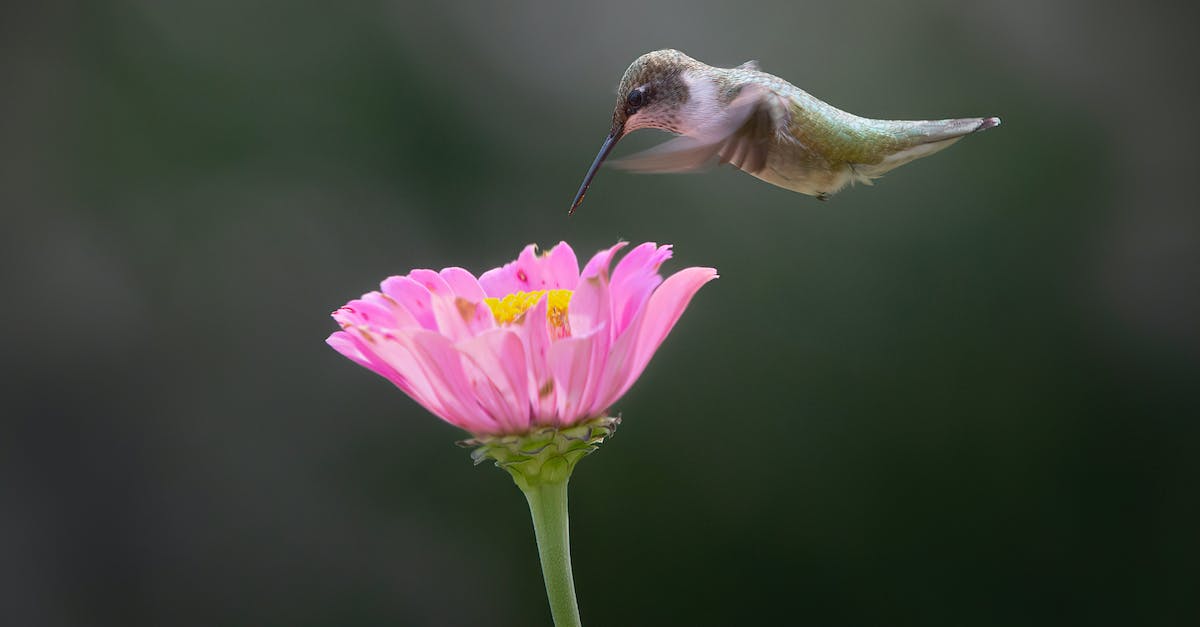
[(512, 307)]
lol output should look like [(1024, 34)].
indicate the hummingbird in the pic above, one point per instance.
[(761, 124)]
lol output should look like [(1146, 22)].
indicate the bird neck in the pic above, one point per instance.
[(704, 105)]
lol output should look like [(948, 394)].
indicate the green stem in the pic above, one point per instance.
[(548, 506), (540, 463)]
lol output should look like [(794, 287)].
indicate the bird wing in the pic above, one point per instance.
[(741, 136)]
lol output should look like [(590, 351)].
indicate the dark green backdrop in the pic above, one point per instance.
[(964, 396)]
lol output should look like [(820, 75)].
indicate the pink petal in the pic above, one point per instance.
[(433, 282), (590, 315), (600, 262), (535, 336), (557, 269), (634, 348), (348, 346), (631, 298), (457, 317), (562, 267), (463, 283), (476, 317), (570, 362), (664, 308), (616, 369), (401, 317), (527, 270), (362, 311), (643, 258), (442, 364), (634, 278), (375, 309), (590, 306), (601, 342), (396, 364), (507, 279), (412, 296), (499, 357)]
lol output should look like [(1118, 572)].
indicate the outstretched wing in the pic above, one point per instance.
[(741, 136)]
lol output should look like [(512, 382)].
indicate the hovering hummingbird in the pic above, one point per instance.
[(762, 124)]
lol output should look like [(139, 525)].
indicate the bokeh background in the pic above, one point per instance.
[(964, 396)]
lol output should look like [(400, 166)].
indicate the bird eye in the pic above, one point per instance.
[(636, 98)]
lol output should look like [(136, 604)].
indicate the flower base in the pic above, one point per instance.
[(543, 456)]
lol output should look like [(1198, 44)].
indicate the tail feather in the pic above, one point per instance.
[(923, 139), (927, 132)]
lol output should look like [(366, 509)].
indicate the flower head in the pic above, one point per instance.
[(534, 343)]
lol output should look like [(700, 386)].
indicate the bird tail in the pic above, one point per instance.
[(916, 139), (941, 130)]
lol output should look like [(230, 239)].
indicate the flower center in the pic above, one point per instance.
[(511, 307)]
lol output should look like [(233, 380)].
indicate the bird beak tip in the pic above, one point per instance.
[(605, 148)]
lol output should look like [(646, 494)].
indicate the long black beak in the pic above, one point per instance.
[(605, 148)]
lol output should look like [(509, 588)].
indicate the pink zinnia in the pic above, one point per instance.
[(534, 343)]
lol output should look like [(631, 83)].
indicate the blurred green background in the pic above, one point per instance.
[(964, 396)]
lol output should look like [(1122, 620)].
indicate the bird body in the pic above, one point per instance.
[(763, 125)]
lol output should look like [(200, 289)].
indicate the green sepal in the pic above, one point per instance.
[(544, 455)]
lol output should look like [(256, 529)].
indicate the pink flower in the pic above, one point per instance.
[(536, 342)]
